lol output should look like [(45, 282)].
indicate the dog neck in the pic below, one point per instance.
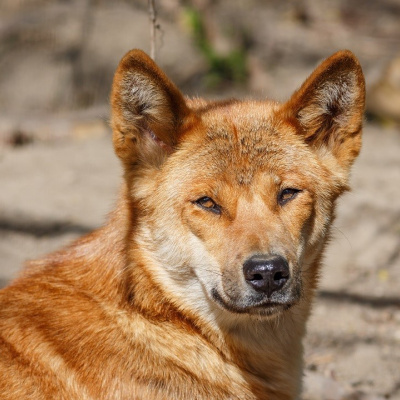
[(266, 351)]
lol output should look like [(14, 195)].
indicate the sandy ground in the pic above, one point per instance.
[(54, 193)]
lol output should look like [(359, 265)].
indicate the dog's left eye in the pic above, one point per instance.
[(286, 195), (209, 204)]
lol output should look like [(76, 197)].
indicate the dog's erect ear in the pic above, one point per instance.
[(329, 106), (148, 111)]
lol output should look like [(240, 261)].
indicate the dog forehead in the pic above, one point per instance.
[(237, 125), (242, 138), (240, 112)]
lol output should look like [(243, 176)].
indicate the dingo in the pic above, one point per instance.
[(200, 284)]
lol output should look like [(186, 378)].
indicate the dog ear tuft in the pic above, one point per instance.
[(148, 111), (329, 106)]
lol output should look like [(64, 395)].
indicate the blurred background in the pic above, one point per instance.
[(59, 177)]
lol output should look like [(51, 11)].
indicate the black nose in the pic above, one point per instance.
[(265, 273)]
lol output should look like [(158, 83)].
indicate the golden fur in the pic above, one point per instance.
[(157, 304)]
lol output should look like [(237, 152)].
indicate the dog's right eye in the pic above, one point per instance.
[(207, 203), (286, 195)]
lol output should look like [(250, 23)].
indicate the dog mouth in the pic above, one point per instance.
[(264, 307)]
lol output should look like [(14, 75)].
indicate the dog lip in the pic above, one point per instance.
[(268, 307)]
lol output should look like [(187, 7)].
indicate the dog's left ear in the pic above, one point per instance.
[(328, 108)]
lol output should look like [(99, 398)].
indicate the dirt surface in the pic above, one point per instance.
[(59, 176)]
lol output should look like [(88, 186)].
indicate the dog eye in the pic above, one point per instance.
[(286, 195), (209, 204)]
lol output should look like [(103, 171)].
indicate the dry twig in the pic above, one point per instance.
[(153, 28)]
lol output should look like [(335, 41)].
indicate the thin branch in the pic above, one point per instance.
[(153, 28)]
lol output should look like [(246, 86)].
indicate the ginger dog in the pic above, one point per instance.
[(200, 284)]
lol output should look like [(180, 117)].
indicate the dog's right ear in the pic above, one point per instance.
[(148, 111)]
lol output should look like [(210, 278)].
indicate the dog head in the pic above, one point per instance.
[(233, 199)]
